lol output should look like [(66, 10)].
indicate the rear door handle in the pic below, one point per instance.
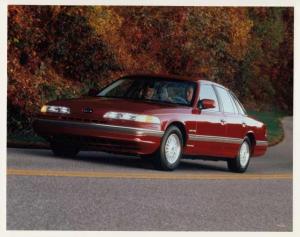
[(244, 124), (222, 121)]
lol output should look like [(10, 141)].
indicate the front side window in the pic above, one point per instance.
[(153, 90), (207, 92), (226, 100)]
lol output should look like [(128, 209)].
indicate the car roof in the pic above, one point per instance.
[(166, 76), (176, 77)]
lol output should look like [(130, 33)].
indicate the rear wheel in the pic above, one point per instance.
[(241, 162), (64, 150), (169, 154)]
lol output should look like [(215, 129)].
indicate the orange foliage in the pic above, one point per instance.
[(61, 51)]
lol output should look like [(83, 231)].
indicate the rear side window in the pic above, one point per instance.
[(207, 92), (226, 100), (238, 104)]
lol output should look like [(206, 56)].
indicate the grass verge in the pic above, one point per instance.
[(273, 122), (26, 141)]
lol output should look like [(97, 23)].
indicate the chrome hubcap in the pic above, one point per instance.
[(244, 154), (172, 148)]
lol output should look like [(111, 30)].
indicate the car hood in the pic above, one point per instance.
[(101, 105)]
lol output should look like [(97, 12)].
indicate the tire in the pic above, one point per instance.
[(63, 150), (170, 151), (241, 162)]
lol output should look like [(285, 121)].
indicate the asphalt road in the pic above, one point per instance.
[(100, 191)]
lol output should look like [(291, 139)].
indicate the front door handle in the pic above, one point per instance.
[(244, 124), (222, 121)]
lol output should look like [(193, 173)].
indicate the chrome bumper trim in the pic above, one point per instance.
[(262, 143), (103, 127), (206, 138), (233, 140)]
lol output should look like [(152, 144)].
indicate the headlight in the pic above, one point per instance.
[(132, 117), (55, 109)]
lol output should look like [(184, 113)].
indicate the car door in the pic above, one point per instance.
[(210, 128), (234, 127)]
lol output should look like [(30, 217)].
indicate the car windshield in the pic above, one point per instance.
[(153, 90)]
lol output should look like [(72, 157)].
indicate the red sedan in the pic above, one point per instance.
[(157, 117)]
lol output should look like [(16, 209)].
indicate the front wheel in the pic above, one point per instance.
[(241, 162), (169, 154)]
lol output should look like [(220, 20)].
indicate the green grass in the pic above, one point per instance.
[(273, 123), (24, 139)]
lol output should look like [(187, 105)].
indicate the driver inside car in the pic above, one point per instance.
[(148, 92), (189, 94)]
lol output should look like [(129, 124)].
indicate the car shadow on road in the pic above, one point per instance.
[(200, 165), (119, 161)]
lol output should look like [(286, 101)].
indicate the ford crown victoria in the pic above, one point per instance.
[(160, 118)]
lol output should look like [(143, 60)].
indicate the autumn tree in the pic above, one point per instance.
[(62, 51)]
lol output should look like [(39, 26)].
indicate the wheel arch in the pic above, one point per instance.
[(182, 129), (250, 135)]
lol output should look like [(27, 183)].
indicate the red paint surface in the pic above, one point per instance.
[(194, 121)]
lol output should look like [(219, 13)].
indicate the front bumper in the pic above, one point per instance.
[(106, 137)]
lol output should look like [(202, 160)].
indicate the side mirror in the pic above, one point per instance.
[(93, 92), (206, 104)]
